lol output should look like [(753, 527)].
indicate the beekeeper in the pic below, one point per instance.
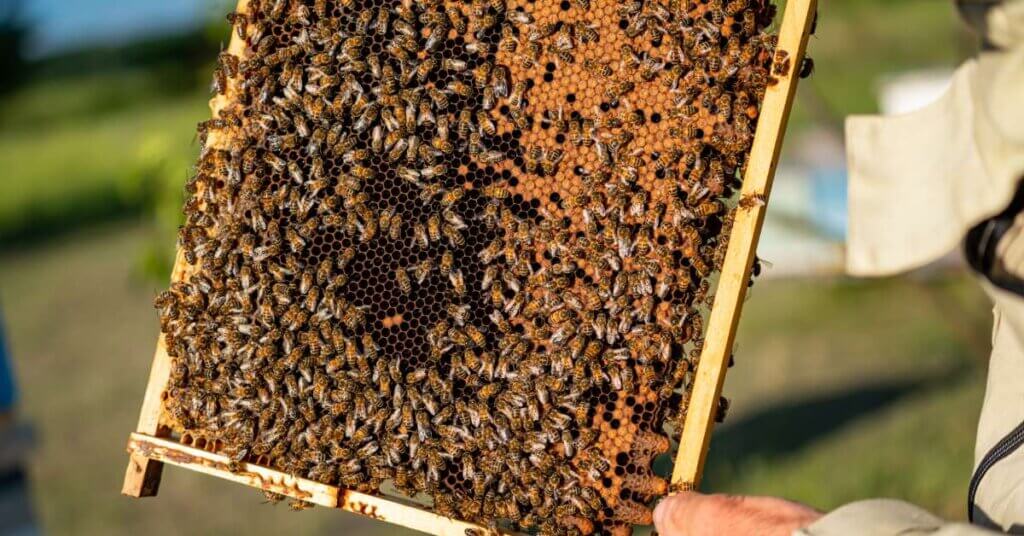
[(921, 185)]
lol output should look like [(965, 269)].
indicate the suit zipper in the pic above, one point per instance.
[(1006, 446)]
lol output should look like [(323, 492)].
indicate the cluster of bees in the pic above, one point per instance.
[(377, 298)]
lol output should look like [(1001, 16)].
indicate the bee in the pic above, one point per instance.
[(447, 263), (458, 313), (395, 228), (457, 282), (439, 97), (560, 316), (425, 67), (490, 252), (454, 65), (700, 265), (423, 269), (532, 159), (496, 191), (442, 144), (460, 88), (488, 391), (509, 43), (806, 68), (353, 317), (708, 208), (586, 33), (457, 19), (420, 235), (497, 296), (551, 161), (486, 124), (517, 98), (452, 196), (781, 63), (404, 282), (453, 235), (749, 24), (427, 191), (598, 69), (476, 336), (592, 350), (434, 227), (752, 200)]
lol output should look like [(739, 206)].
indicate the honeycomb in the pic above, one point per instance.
[(462, 249)]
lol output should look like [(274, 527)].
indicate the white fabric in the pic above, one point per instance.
[(918, 181)]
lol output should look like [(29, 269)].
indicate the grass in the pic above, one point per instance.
[(862, 385), (78, 165)]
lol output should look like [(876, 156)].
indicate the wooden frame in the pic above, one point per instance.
[(150, 446), (702, 406)]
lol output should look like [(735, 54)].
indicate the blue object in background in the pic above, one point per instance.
[(8, 394), (828, 201)]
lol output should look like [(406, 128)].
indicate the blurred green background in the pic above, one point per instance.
[(843, 389)]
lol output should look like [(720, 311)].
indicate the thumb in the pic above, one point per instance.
[(674, 514)]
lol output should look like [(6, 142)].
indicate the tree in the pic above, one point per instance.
[(14, 34)]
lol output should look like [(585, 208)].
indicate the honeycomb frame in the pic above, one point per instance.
[(739, 257)]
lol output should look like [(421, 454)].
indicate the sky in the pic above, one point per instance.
[(60, 25)]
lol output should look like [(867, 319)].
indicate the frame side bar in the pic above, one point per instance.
[(142, 477), (732, 287)]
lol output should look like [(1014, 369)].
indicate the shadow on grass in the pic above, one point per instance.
[(41, 221), (783, 429)]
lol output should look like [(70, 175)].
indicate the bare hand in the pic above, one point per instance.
[(694, 514)]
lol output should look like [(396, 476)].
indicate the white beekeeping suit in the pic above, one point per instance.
[(919, 184)]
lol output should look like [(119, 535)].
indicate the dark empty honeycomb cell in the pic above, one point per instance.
[(442, 238)]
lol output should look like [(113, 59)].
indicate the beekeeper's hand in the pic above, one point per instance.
[(694, 514)]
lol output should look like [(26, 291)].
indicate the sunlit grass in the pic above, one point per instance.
[(91, 168)]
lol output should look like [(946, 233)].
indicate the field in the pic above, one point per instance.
[(842, 389)]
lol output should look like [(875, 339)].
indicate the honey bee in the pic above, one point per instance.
[(485, 123), (423, 269), (532, 159), (598, 69), (551, 161), (750, 201), (476, 337), (452, 196), (460, 88), (457, 282), (561, 315), (446, 264), (806, 68), (457, 19), (516, 98), (425, 67), (495, 191), (439, 97), (708, 208), (443, 145), (497, 296), (420, 235), (453, 235)]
